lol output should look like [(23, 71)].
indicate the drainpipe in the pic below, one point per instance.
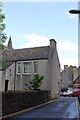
[(14, 75)]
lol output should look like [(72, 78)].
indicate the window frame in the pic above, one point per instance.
[(26, 68), (18, 68), (34, 67)]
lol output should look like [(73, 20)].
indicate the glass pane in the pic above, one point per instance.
[(19, 67), (27, 67), (36, 67)]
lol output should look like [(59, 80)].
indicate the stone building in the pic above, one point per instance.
[(67, 76), (23, 64)]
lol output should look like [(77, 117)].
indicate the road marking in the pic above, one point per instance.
[(77, 106)]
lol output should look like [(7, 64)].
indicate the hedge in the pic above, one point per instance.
[(14, 101)]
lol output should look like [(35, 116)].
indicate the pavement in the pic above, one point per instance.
[(65, 107), (79, 110)]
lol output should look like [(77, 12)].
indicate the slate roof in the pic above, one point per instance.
[(36, 53), (7, 65)]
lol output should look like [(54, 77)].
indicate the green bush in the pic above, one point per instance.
[(36, 82)]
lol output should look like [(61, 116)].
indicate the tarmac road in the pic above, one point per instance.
[(65, 107)]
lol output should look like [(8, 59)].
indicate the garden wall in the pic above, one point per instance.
[(13, 101)]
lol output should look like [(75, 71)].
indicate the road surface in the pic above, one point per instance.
[(65, 107)]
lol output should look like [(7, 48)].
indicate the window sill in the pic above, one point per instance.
[(26, 73), (18, 73), (35, 73)]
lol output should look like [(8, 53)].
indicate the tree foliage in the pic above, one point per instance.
[(3, 36), (36, 82)]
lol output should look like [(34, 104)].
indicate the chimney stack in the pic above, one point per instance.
[(65, 67), (53, 43)]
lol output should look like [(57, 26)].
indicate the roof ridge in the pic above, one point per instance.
[(30, 48)]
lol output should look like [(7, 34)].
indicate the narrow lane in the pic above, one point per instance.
[(65, 107)]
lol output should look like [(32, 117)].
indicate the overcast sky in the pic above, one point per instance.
[(35, 23)]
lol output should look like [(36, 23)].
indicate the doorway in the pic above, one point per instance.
[(6, 85)]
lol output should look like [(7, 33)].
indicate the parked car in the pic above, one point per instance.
[(67, 93)]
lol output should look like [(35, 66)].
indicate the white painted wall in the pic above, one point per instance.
[(55, 75), (54, 70), (11, 76), (6, 76), (43, 69)]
